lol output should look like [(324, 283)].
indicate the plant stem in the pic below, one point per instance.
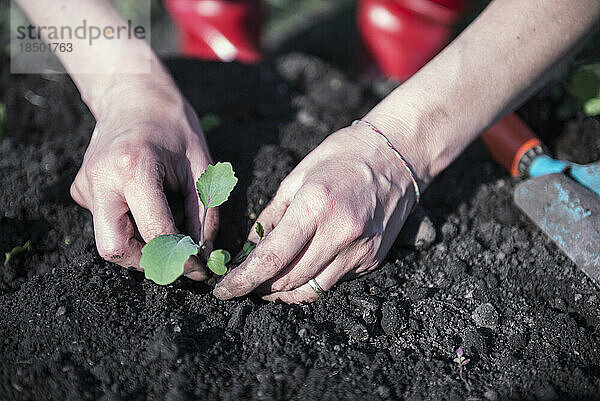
[(460, 373), (202, 228)]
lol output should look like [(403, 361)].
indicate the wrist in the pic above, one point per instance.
[(411, 141), (408, 169), (136, 95), (102, 91)]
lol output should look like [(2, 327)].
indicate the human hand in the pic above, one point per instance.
[(336, 215), (147, 140)]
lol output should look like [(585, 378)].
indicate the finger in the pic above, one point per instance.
[(154, 203), (272, 255), (211, 225), (270, 216), (150, 208), (192, 206), (114, 231), (326, 279), (78, 196), (317, 254), (194, 270)]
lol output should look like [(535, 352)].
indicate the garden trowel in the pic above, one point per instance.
[(560, 197)]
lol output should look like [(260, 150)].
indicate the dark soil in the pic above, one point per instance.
[(73, 326)]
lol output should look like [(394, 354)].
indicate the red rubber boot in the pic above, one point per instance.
[(224, 30), (403, 35)]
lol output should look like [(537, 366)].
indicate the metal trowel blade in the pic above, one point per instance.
[(569, 214), (587, 175)]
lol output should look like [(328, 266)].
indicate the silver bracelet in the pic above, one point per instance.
[(399, 156)]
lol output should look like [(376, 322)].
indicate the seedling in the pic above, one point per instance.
[(209, 122), (15, 251), (164, 257), (461, 361), (249, 246), (585, 85)]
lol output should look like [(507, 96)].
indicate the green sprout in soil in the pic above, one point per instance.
[(209, 122), (585, 85), (15, 251), (249, 246), (164, 257), (461, 361)]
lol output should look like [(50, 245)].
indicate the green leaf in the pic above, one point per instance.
[(259, 230), (163, 258), (215, 184), (15, 251), (209, 122), (217, 261), (247, 248), (592, 107)]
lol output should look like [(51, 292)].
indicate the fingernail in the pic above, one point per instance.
[(222, 293)]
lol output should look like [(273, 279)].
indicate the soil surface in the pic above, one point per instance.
[(73, 326)]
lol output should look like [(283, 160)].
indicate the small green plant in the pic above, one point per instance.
[(584, 84), (209, 122), (15, 251), (461, 361), (249, 246), (164, 257)]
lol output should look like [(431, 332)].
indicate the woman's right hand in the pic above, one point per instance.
[(147, 140)]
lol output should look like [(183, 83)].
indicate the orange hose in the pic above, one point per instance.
[(508, 140)]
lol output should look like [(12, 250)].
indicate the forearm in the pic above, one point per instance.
[(485, 71), (97, 69)]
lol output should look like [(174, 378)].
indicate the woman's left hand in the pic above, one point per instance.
[(335, 215)]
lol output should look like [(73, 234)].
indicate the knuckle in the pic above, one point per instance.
[(350, 227), (365, 257), (79, 191), (321, 196), (365, 253), (154, 229), (287, 185), (75, 192), (90, 170), (79, 180), (128, 157), (270, 262), (366, 267)]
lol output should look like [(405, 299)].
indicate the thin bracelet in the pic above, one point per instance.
[(398, 155)]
